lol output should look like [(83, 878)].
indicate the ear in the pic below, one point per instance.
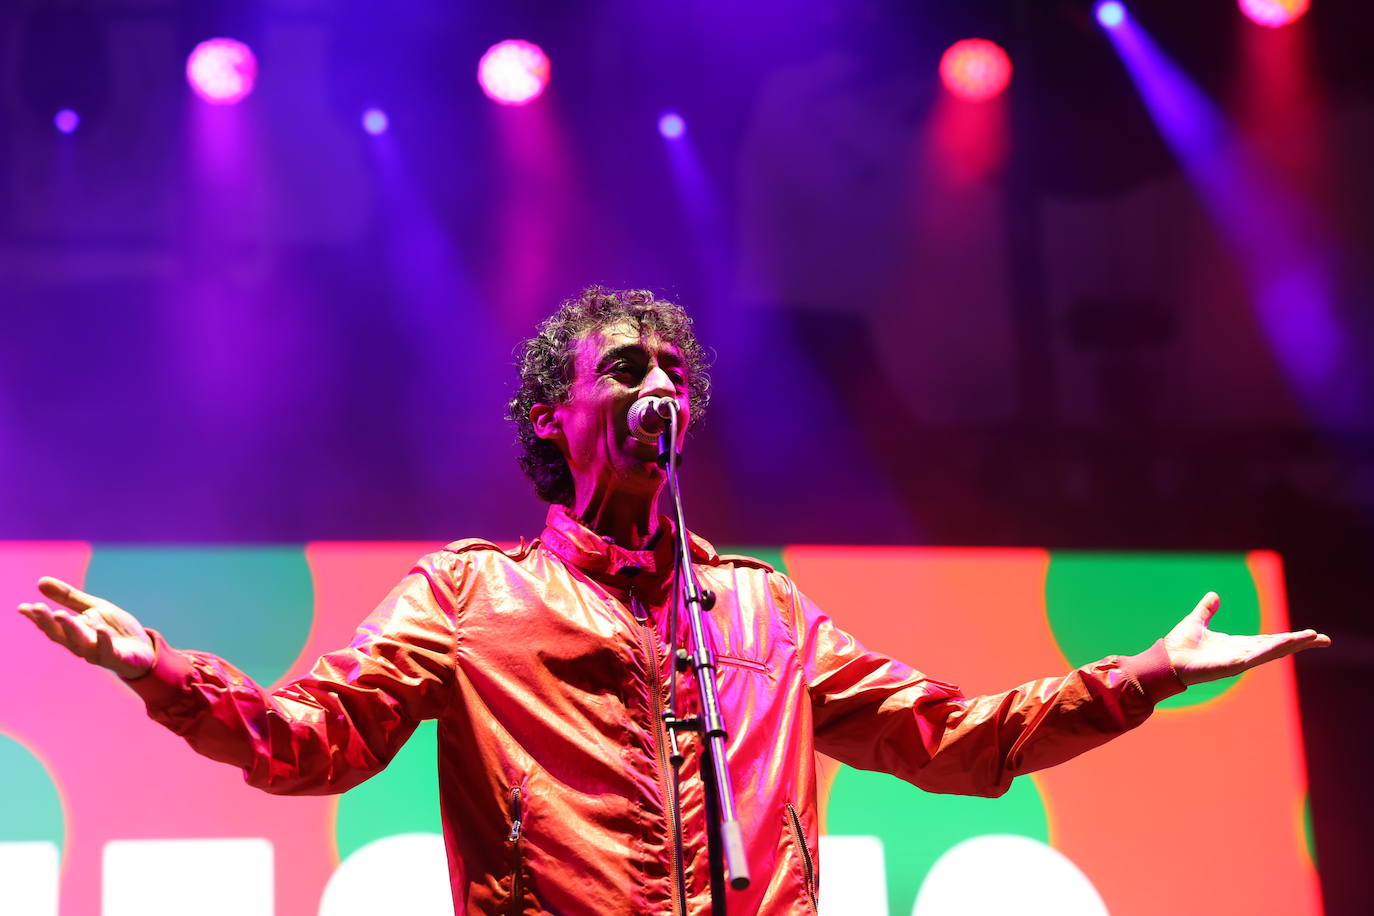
[(547, 424)]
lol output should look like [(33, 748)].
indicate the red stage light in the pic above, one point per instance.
[(1274, 13), (975, 69)]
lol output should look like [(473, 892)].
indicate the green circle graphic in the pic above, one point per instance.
[(403, 798), (1309, 836), (33, 806), (251, 605), (1107, 603), (918, 827)]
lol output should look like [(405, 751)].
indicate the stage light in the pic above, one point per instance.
[(375, 121), (513, 72), (1274, 13), (1111, 14), (671, 125), (222, 71), (66, 120), (975, 69)]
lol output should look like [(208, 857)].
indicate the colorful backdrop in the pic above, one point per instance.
[(1202, 810)]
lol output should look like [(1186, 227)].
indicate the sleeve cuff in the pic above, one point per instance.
[(167, 680), (1152, 671)]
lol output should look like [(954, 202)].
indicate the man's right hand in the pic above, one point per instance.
[(93, 628)]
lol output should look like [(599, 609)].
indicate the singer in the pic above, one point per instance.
[(547, 667)]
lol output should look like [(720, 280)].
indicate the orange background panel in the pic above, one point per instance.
[(972, 617)]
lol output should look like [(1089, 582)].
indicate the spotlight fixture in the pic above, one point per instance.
[(975, 69), (222, 71), (1110, 14), (375, 121), (1274, 13), (513, 72), (671, 125)]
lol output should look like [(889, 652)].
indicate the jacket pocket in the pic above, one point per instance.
[(748, 664), (804, 853), (514, 839)]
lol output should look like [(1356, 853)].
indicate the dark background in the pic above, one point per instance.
[(1016, 325)]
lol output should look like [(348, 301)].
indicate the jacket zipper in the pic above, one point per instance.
[(517, 824), (650, 644), (808, 866)]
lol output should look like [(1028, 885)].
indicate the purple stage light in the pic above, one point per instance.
[(375, 121), (975, 69), (671, 125), (513, 72), (1111, 14), (1274, 13), (66, 120), (222, 71)]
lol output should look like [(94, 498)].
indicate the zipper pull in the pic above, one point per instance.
[(637, 607), (516, 821)]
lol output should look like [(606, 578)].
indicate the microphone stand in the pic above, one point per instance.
[(724, 841)]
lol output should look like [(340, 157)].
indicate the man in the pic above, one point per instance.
[(547, 667)]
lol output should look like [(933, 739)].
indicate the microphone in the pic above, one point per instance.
[(649, 417)]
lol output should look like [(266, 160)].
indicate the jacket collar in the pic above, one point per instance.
[(579, 546)]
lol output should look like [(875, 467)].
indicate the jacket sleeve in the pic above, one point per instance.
[(340, 724), (875, 713)]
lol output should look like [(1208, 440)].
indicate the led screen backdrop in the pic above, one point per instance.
[(1203, 809)]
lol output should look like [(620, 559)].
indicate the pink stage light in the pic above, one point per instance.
[(513, 72), (1274, 13), (222, 71), (66, 121), (975, 69)]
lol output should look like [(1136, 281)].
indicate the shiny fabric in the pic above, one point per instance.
[(547, 667)]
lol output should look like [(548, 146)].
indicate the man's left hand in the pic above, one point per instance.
[(1200, 654)]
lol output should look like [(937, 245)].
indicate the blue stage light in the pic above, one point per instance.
[(1111, 14), (375, 121), (671, 125)]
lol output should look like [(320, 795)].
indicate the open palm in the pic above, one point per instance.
[(1201, 654), (100, 632)]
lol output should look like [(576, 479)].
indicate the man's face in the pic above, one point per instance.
[(612, 368)]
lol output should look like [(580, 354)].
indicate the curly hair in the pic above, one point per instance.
[(545, 362)]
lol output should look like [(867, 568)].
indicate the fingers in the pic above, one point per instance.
[(71, 631), (104, 643), (1285, 644), (79, 634), (1206, 608), (1306, 639), (41, 616), (67, 595), (1302, 639)]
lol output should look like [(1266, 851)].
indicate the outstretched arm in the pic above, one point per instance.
[(324, 732), (876, 713), (1200, 654)]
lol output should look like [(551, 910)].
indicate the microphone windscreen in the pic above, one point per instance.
[(646, 424)]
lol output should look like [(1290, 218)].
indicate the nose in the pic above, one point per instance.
[(657, 383)]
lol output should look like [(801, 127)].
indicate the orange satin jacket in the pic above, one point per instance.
[(547, 668)]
